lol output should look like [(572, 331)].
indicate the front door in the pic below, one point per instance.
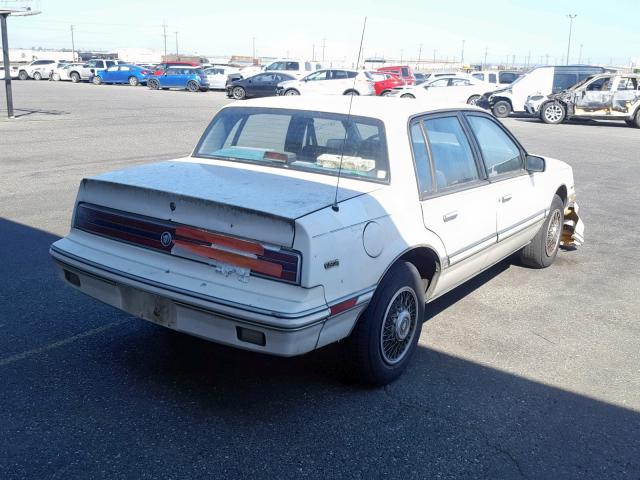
[(519, 211), (594, 98)]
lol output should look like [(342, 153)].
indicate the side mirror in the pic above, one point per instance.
[(534, 164)]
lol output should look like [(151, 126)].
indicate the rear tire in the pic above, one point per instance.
[(97, 80), (386, 334), (133, 81), (55, 77), (473, 100), (637, 119), (153, 84), (501, 109), (386, 93), (407, 95), (351, 92), (193, 86), (553, 113), (75, 77), (291, 92), (23, 75), (238, 93), (542, 250)]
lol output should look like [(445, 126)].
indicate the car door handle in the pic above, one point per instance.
[(447, 217), (506, 198)]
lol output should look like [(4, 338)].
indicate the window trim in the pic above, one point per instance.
[(482, 179), (474, 139)]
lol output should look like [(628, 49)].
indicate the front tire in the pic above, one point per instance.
[(97, 80), (133, 81), (386, 93), (501, 109), (407, 95), (75, 77), (37, 76), (553, 113), (153, 84), (351, 92), (238, 93), (385, 337), (542, 250), (193, 86), (23, 75), (291, 92), (637, 119)]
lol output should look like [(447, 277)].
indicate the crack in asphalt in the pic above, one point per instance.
[(483, 435)]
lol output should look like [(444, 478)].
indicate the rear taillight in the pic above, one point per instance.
[(189, 242), (144, 72)]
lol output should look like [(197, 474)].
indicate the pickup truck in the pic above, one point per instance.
[(88, 70)]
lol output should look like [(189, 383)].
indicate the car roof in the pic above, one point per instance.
[(383, 108)]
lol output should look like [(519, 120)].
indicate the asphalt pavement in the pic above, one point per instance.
[(519, 373)]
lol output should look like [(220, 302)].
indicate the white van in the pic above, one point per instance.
[(295, 67), (539, 81)]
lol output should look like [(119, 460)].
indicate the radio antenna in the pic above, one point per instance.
[(335, 207)]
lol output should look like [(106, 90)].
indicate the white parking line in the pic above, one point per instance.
[(60, 343)]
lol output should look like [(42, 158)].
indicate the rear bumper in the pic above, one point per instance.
[(484, 102), (242, 326)]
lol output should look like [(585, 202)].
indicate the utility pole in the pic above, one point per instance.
[(434, 55), (324, 44), (570, 17), (253, 42), (164, 34), (528, 58), (419, 53), (73, 45), (401, 52), (462, 53), (313, 52), (513, 62), (580, 56), (486, 52), (546, 59), (177, 54), (5, 59)]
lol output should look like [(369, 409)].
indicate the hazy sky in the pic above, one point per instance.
[(394, 29)]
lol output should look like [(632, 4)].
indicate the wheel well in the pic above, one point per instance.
[(348, 91), (503, 99), (425, 260), (562, 193)]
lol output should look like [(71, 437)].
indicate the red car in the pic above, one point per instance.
[(384, 83), (161, 67), (403, 72)]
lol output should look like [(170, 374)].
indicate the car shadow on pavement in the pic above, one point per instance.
[(135, 400), (576, 122)]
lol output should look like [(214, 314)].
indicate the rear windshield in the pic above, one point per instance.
[(299, 140)]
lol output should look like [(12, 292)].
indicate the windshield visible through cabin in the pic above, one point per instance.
[(300, 140)]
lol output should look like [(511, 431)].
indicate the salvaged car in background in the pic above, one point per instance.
[(600, 97), (298, 222)]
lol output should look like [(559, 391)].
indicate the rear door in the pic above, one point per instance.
[(123, 73), (458, 204), (519, 206), (626, 96)]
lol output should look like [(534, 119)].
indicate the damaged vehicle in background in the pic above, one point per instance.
[(539, 81), (601, 97), (302, 221), (455, 89)]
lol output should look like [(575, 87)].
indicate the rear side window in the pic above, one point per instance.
[(628, 83), (500, 154), (479, 76), (292, 66), (405, 72), (452, 158), (492, 78), (562, 81), (307, 66), (339, 74), (506, 77), (421, 158)]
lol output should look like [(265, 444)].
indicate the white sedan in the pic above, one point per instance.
[(218, 74), (330, 82), (13, 72), (298, 222), (453, 89)]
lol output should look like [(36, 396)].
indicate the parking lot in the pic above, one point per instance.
[(519, 373)]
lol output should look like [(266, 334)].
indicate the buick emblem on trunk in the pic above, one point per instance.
[(166, 239)]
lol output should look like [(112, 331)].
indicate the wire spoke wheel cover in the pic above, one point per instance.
[(399, 325), (553, 233)]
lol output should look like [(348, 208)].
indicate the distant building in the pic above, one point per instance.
[(139, 55), (27, 55)]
